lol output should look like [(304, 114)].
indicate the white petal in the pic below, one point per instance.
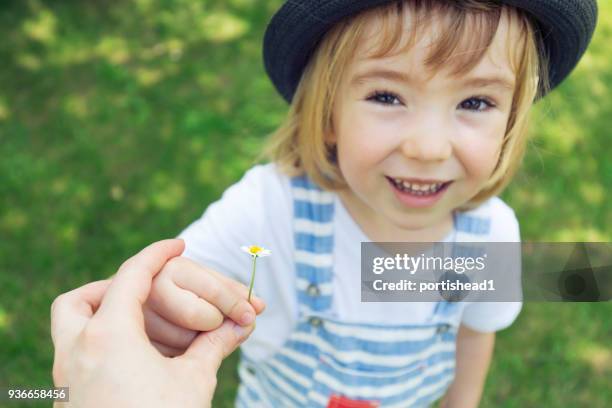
[(264, 252), (246, 249)]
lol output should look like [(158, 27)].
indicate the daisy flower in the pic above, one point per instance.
[(255, 252)]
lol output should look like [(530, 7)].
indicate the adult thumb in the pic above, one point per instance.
[(130, 287), (210, 348)]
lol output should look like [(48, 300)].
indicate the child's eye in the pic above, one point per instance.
[(384, 98), (477, 104)]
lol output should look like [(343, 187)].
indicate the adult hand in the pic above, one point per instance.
[(104, 356), (187, 299)]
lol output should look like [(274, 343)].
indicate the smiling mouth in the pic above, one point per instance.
[(418, 188)]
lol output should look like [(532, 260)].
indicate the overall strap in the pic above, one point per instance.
[(471, 227), (468, 228), (313, 217)]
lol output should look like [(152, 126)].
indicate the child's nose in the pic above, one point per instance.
[(428, 143), (427, 148)]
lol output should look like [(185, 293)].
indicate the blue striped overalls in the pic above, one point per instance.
[(394, 365)]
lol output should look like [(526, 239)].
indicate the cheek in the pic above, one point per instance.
[(361, 143), (480, 157)]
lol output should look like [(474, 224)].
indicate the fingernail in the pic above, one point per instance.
[(255, 296), (247, 318), (240, 331)]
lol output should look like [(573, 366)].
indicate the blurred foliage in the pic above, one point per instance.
[(120, 121)]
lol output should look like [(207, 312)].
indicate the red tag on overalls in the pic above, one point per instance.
[(337, 401)]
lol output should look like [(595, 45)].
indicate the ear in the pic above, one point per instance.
[(330, 135), (330, 138)]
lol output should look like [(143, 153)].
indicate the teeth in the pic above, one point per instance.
[(419, 189)]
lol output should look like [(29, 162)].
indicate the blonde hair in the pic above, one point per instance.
[(469, 26)]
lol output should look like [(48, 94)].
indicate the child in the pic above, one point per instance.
[(407, 118)]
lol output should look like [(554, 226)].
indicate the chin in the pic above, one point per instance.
[(413, 222)]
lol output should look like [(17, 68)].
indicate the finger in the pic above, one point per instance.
[(131, 285), (210, 348), (257, 303), (190, 276), (71, 311), (166, 350), (162, 331), (182, 307)]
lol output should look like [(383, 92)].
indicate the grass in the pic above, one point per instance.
[(121, 121)]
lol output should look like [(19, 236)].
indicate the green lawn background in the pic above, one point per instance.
[(120, 121)]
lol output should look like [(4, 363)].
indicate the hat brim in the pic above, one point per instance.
[(565, 26)]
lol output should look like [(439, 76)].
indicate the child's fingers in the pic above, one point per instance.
[(257, 303), (166, 350), (183, 307), (192, 277), (162, 331)]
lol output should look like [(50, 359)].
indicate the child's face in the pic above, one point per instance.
[(438, 129)]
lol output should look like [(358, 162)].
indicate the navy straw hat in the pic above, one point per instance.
[(566, 27)]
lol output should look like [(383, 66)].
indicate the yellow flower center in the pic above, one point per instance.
[(255, 249)]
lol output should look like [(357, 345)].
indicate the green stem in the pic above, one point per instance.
[(252, 279)]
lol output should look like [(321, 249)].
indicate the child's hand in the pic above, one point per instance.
[(187, 298)]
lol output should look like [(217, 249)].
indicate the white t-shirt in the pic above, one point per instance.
[(259, 210)]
